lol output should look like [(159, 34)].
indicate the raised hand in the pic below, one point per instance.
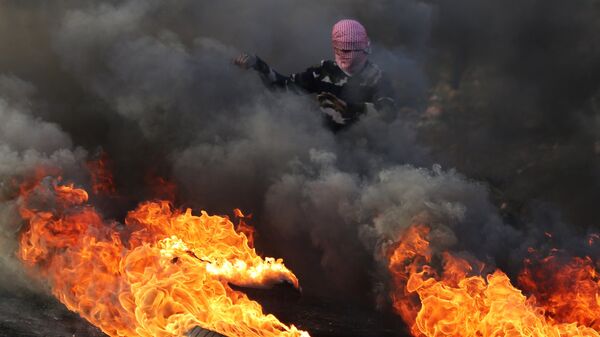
[(245, 61)]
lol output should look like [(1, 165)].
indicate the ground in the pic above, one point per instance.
[(41, 316)]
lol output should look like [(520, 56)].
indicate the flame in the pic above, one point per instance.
[(458, 301), (243, 227), (411, 256), (568, 292), (101, 175), (165, 273), (159, 187)]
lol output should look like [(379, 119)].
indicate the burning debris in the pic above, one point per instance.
[(457, 299), (162, 274), (200, 332)]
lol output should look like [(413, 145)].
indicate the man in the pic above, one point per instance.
[(345, 87)]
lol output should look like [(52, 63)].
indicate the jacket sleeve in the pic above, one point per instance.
[(381, 98), (383, 95), (306, 81)]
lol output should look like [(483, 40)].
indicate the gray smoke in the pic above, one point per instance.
[(507, 104), (26, 144)]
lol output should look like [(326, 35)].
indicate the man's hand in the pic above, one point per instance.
[(245, 61), (329, 100)]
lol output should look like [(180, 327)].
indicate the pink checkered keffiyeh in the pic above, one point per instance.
[(349, 35), (350, 45)]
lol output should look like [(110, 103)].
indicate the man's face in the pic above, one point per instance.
[(351, 61)]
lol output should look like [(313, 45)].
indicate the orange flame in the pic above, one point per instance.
[(243, 227), (159, 187), (101, 175), (410, 257), (457, 303), (567, 292), (169, 274)]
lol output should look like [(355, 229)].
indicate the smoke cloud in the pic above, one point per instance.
[(505, 98), (26, 144)]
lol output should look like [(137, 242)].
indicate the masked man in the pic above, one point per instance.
[(344, 87)]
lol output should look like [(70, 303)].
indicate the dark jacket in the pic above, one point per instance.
[(369, 86)]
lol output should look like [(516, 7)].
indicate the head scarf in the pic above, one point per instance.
[(350, 45)]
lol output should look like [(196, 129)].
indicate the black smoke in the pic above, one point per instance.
[(505, 96)]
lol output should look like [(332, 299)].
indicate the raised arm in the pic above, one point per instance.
[(305, 81)]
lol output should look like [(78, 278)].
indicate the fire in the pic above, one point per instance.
[(243, 227), (101, 175), (159, 187), (164, 273), (458, 301), (568, 292)]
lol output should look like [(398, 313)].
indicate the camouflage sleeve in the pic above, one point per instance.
[(305, 81), (383, 96), (382, 99)]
